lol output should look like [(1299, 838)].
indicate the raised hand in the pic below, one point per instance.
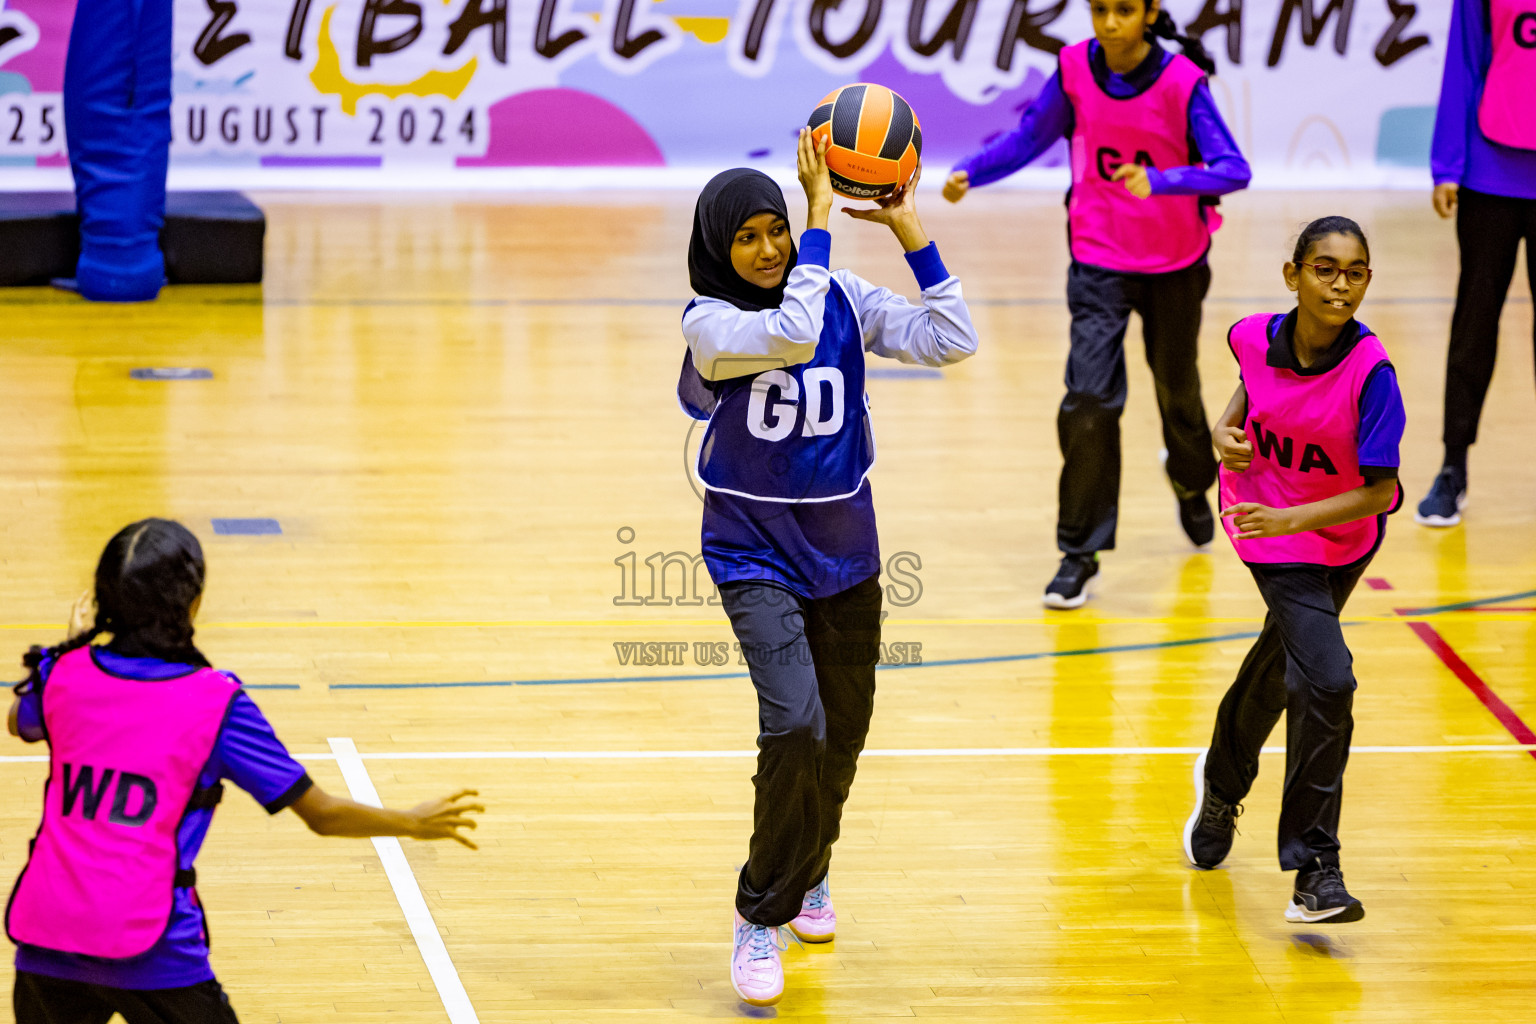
[(811, 165)]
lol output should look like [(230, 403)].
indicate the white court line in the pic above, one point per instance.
[(398, 869), (709, 755)]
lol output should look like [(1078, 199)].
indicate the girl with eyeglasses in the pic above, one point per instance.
[(1309, 458)]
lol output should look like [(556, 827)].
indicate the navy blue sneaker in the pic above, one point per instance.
[(1069, 587), (1443, 504)]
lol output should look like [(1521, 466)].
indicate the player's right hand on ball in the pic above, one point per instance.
[(442, 819), (1234, 448), (956, 186), (811, 165)]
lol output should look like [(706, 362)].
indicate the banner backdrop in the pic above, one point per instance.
[(437, 87)]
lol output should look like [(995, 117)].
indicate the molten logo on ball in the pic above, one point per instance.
[(876, 140)]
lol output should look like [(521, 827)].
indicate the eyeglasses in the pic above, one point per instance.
[(1326, 272)]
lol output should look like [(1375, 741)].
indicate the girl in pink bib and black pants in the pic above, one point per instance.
[(1149, 154), (1309, 454), (141, 734)]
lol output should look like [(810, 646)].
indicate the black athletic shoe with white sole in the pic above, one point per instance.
[(1320, 896), (1446, 498), (1212, 824), (1069, 587)]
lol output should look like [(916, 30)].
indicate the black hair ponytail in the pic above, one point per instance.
[(1164, 28), (149, 576)]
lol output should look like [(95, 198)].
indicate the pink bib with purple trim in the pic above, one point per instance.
[(1111, 228), (1305, 433), (1507, 111), (125, 758)]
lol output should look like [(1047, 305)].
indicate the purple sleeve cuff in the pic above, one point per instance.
[(29, 717), (816, 247), (928, 266)]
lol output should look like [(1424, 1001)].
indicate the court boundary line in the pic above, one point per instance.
[(418, 916), (1506, 715), (893, 752)]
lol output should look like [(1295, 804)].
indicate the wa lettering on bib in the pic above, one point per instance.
[(125, 759), (1304, 429), (797, 434)]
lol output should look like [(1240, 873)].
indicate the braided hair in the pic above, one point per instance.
[(1164, 28), (149, 576)]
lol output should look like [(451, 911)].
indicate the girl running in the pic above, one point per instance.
[(1139, 229), (1309, 455), (775, 363), (141, 732)]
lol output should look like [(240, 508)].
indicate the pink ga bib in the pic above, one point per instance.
[(1305, 431), (1109, 227), (1507, 112), (125, 757)]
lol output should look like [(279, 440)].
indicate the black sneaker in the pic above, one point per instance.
[(1320, 896), (1195, 516), (1212, 824), (1067, 588), (1443, 504)]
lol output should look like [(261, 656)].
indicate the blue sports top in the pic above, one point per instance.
[(785, 456), (247, 753), (1050, 117)]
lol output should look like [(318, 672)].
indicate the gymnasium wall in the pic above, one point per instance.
[(387, 92)]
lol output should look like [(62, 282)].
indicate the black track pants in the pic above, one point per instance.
[(1488, 229), (813, 666), (1299, 665), (39, 999), (1088, 425)]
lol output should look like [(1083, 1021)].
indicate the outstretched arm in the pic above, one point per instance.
[(329, 815)]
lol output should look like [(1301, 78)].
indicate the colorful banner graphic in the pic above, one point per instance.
[(443, 85)]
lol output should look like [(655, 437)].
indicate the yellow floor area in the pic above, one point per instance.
[(460, 410)]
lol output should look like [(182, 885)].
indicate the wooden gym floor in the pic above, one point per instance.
[(460, 412)]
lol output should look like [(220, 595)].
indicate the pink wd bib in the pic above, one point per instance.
[(1507, 113), (1305, 431), (125, 759), (1109, 227)]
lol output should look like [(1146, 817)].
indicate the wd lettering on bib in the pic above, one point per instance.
[(796, 434), (104, 866), (1278, 449)]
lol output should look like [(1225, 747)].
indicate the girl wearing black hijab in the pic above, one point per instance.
[(775, 363)]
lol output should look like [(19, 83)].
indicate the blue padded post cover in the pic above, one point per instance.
[(117, 115)]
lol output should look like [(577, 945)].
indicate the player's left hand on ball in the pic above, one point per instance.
[(1135, 177), (1254, 520)]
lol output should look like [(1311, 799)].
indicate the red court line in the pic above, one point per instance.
[(1503, 712)]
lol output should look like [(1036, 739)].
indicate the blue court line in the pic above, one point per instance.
[(269, 686), (942, 663), (1459, 605), (675, 303)]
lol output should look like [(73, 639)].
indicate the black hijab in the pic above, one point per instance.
[(724, 205)]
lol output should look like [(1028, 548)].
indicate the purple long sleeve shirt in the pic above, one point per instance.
[(1460, 153), (1050, 117)]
